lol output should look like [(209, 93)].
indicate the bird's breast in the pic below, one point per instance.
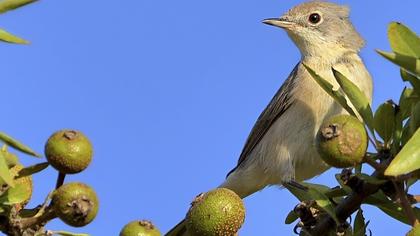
[(288, 148)]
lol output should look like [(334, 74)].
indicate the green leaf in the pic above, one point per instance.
[(298, 192), (408, 159), (7, 5), (406, 133), (390, 208), (408, 63), (291, 217), (5, 174), (384, 121), (412, 124), (319, 187), (403, 40), (324, 202), (10, 38), (337, 95), (30, 170), (407, 100), (415, 118), (314, 192), (15, 195), (359, 100), (17, 145), (359, 226), (414, 81), (397, 136)]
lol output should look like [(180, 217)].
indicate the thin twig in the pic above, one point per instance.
[(375, 142), (44, 205), (405, 204), (373, 163)]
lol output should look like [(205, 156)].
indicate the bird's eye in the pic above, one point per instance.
[(314, 18)]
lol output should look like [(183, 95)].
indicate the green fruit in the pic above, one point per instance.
[(140, 228), (69, 151), (76, 204), (216, 213), (415, 231), (342, 141)]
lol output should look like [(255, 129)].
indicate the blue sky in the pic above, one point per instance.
[(167, 91)]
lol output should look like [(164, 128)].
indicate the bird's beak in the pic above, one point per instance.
[(279, 22)]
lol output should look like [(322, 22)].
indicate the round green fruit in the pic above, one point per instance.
[(140, 228), (342, 141), (69, 151), (76, 204), (219, 212)]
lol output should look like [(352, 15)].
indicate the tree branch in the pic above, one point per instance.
[(405, 204), (360, 191), (42, 219), (344, 210)]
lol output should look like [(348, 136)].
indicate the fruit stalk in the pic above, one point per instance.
[(60, 180)]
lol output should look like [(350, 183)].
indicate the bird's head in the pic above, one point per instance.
[(318, 26)]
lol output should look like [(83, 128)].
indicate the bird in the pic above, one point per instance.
[(281, 145)]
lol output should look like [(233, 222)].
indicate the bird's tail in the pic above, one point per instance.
[(179, 230)]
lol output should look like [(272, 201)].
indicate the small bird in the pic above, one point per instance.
[(281, 145)]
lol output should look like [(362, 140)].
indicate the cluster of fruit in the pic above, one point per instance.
[(217, 212), (70, 152), (75, 203)]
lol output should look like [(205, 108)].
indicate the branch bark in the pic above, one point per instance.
[(48, 215)]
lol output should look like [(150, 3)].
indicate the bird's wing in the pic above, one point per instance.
[(277, 106)]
